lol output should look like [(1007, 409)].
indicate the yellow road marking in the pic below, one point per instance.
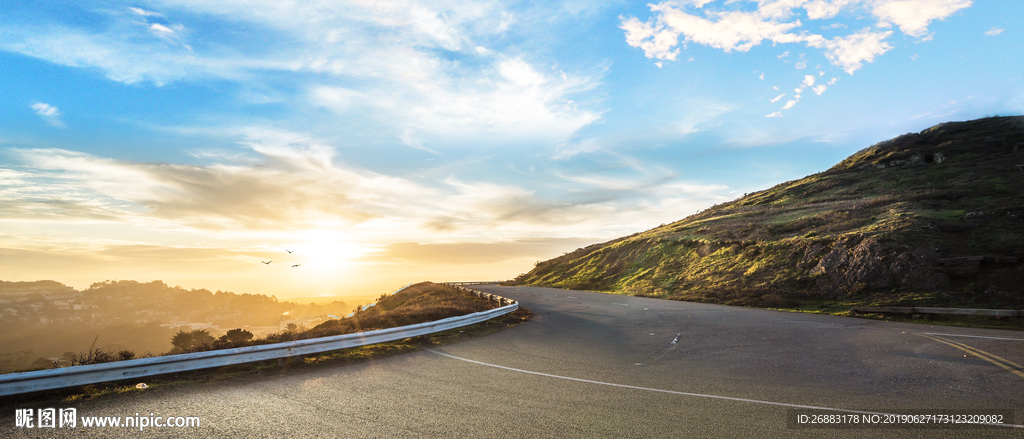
[(989, 354), (991, 358)]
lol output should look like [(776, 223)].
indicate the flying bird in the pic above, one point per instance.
[(289, 251), (267, 262), (296, 265)]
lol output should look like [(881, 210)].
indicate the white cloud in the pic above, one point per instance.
[(573, 148), (802, 64), (913, 16), (728, 28), (808, 80), (789, 104), (654, 39), (852, 51), (512, 104), (49, 113), (157, 27), (819, 89), (775, 114), (45, 110), (994, 31), (776, 99), (143, 12), (822, 9)]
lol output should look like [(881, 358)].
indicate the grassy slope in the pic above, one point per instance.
[(878, 228)]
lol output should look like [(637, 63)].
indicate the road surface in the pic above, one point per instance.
[(598, 365)]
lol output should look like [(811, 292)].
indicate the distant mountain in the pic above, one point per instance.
[(39, 285), (934, 218)]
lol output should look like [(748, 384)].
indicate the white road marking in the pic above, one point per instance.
[(674, 392), (623, 304), (974, 336), (676, 340)]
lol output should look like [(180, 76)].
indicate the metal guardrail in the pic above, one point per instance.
[(501, 300), (25, 382), (930, 310), (475, 283)]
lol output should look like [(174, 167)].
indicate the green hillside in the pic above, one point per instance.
[(929, 219)]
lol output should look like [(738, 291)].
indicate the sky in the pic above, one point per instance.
[(358, 146)]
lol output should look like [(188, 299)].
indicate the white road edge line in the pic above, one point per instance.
[(674, 392), (974, 336)]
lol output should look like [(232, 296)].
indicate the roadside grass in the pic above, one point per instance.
[(248, 372), (845, 309)]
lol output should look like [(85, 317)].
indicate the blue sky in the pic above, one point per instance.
[(386, 142)]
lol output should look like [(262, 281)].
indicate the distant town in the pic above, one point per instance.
[(47, 319)]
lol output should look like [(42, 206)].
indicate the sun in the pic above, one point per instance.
[(326, 251)]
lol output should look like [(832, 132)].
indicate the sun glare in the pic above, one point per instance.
[(327, 252)]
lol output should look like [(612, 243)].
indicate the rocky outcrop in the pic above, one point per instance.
[(855, 264)]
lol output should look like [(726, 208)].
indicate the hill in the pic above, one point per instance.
[(934, 218)]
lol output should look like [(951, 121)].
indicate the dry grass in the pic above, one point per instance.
[(422, 302)]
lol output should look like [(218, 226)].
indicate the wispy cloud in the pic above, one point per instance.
[(430, 70), (296, 184), (49, 113), (994, 31), (512, 104), (143, 12)]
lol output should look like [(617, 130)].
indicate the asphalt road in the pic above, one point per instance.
[(597, 365)]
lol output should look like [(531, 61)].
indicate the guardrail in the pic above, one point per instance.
[(501, 300), (25, 382), (475, 283), (930, 310)]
